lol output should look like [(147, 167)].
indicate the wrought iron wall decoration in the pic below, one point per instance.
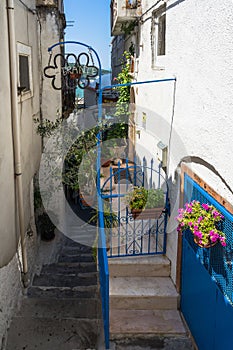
[(73, 70)]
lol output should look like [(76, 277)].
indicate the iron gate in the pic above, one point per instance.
[(127, 234)]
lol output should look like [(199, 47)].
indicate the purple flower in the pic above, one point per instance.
[(222, 241), (215, 213), (213, 238), (190, 223), (205, 206), (200, 219), (198, 234), (189, 210)]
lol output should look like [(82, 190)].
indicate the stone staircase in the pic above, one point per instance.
[(144, 305), (62, 308)]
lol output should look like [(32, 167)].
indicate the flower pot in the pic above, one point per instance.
[(86, 200), (106, 162), (144, 214), (208, 245), (74, 76)]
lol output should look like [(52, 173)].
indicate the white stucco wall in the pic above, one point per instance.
[(10, 278), (49, 35), (199, 53)]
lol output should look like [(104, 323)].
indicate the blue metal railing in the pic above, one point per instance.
[(103, 273)]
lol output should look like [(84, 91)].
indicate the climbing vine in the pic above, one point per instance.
[(122, 105)]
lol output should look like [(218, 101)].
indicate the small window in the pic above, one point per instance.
[(161, 48), (25, 88), (24, 81), (158, 35)]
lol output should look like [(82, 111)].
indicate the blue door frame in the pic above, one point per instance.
[(207, 281)]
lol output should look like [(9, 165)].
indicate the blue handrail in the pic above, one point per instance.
[(104, 276)]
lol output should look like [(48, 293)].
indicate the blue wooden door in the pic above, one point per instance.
[(207, 282)]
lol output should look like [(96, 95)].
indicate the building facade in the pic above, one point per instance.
[(191, 116), (184, 119), (24, 51)]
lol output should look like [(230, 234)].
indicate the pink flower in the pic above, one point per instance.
[(213, 238), (215, 213), (198, 234), (205, 206), (200, 219), (223, 241)]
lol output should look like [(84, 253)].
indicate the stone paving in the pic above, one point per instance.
[(62, 307)]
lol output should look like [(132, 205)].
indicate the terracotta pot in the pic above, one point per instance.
[(208, 245), (143, 214), (106, 162), (87, 200)]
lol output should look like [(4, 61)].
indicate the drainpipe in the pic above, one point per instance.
[(16, 137)]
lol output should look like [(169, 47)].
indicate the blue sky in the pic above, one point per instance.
[(92, 25)]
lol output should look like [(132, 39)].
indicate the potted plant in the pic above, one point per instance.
[(148, 204), (203, 220), (110, 221), (46, 227)]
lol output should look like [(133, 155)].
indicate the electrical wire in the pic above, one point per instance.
[(149, 9), (171, 128)]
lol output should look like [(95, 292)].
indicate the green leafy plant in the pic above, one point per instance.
[(140, 198), (124, 77), (128, 27), (110, 218), (45, 127), (203, 221)]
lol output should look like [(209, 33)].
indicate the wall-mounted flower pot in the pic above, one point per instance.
[(208, 245), (144, 214)]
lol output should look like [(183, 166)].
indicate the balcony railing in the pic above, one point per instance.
[(123, 12)]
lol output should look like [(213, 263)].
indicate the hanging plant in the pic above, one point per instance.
[(127, 27), (203, 221)]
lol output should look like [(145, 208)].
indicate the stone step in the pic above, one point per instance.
[(76, 258), (68, 242), (63, 293), (52, 334), (75, 250), (142, 293), (69, 268), (153, 342), (60, 308), (70, 281), (140, 266), (147, 322)]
